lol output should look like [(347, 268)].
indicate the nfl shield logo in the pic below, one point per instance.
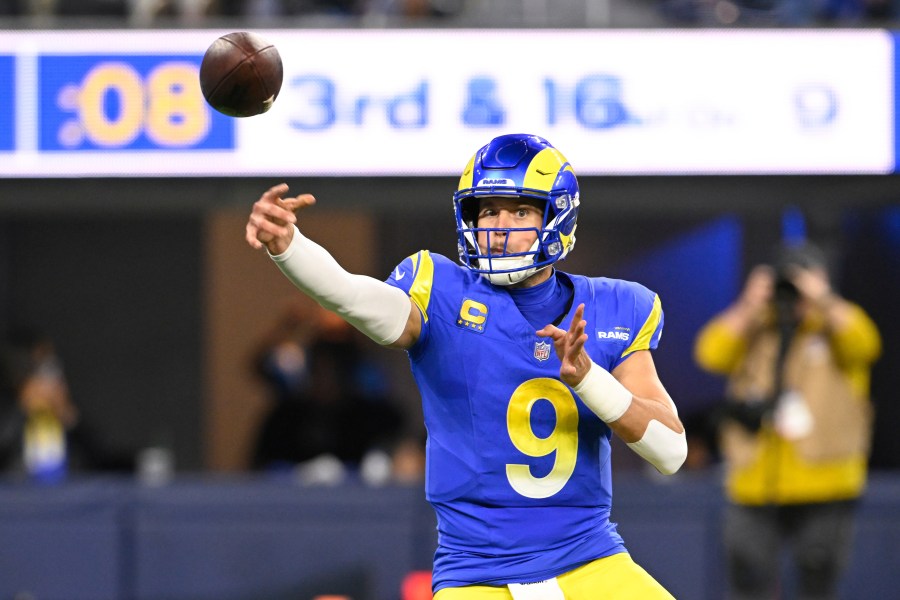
[(542, 350)]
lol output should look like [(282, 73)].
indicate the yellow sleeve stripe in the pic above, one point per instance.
[(642, 340), (420, 291)]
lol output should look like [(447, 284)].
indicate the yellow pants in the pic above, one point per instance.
[(615, 577)]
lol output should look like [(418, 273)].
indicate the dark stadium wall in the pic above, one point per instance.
[(120, 296)]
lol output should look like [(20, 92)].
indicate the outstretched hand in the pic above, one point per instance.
[(271, 222), (569, 347)]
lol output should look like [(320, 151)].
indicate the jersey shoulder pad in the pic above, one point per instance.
[(637, 304), (416, 275)]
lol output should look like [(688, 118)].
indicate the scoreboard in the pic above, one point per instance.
[(417, 102)]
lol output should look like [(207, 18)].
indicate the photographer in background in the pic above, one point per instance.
[(796, 425)]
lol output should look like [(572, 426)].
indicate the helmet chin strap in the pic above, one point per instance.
[(510, 263)]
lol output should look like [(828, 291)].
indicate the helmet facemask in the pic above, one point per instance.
[(505, 267)]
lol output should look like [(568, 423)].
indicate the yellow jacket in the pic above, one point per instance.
[(828, 369)]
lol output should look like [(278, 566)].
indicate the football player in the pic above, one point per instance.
[(524, 371)]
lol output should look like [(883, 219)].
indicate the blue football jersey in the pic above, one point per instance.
[(518, 468)]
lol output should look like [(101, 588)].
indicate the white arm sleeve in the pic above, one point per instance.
[(662, 447), (377, 309), (608, 399)]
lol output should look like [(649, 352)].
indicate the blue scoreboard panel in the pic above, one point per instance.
[(126, 102), (7, 103)]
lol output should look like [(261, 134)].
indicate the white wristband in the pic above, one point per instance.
[(603, 394), (377, 309)]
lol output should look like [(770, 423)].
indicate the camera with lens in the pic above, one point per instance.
[(749, 415), (789, 258), (785, 290)]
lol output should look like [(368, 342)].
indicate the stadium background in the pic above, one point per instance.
[(154, 300)]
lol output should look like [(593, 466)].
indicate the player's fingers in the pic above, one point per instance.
[(572, 344), (574, 333), (274, 211), (550, 331), (299, 202), (567, 369), (250, 232), (270, 227), (264, 230), (579, 312), (577, 346), (577, 320), (275, 192)]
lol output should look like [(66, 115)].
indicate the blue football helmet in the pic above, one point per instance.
[(517, 166)]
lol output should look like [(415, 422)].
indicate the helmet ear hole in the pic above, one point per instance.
[(469, 209)]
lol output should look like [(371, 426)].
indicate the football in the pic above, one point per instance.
[(241, 74)]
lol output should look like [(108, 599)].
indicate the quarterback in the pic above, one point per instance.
[(525, 372)]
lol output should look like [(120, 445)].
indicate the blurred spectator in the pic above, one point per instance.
[(413, 9), (42, 433), (384, 13), (143, 13), (880, 10), (331, 407), (796, 427), (89, 8), (12, 8), (784, 13), (137, 13), (276, 8), (371, 9)]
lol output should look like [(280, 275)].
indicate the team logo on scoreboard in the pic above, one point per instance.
[(542, 350)]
